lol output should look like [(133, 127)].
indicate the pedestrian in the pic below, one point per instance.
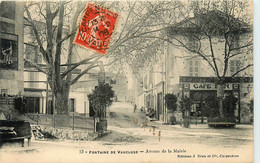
[(135, 108)]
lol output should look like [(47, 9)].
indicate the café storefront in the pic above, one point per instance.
[(203, 89)]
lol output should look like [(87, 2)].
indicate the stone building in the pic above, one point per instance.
[(11, 53)]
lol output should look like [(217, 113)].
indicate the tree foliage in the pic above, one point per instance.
[(101, 97), (171, 101)]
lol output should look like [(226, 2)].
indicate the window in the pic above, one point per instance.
[(151, 76), (4, 92), (145, 82), (72, 105), (171, 65), (193, 68), (235, 43), (34, 76), (190, 68), (192, 43), (234, 66)]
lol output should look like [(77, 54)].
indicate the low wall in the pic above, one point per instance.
[(77, 134)]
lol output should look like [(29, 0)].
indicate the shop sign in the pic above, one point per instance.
[(208, 86)]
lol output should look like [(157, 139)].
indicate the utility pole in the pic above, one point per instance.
[(165, 80), (47, 94), (53, 95)]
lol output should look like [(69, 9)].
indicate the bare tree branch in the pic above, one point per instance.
[(40, 9), (30, 21), (31, 64), (213, 56), (49, 32), (127, 18), (242, 69), (54, 14), (75, 65), (68, 36), (58, 41), (197, 52), (91, 66), (241, 47)]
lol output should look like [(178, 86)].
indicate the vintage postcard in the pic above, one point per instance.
[(127, 81)]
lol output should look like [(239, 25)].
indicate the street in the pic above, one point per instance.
[(130, 135)]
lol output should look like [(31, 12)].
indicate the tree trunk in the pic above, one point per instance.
[(103, 112), (187, 119), (220, 95), (61, 101)]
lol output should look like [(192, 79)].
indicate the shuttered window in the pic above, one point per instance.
[(193, 68), (235, 66)]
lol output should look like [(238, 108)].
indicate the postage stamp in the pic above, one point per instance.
[(96, 28)]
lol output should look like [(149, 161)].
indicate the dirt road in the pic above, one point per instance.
[(129, 127), (132, 138)]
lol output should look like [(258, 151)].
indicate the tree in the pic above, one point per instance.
[(211, 104), (52, 23), (229, 102), (219, 32), (47, 24), (185, 106), (251, 106), (171, 104), (100, 98), (171, 101)]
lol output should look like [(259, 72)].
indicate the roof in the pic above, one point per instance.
[(214, 22)]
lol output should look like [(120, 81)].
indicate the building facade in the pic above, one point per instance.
[(180, 71), (11, 54), (119, 85)]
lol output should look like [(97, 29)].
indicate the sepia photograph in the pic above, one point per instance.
[(127, 81)]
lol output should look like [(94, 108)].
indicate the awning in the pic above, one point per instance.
[(32, 94)]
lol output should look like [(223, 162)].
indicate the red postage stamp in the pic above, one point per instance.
[(96, 28)]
